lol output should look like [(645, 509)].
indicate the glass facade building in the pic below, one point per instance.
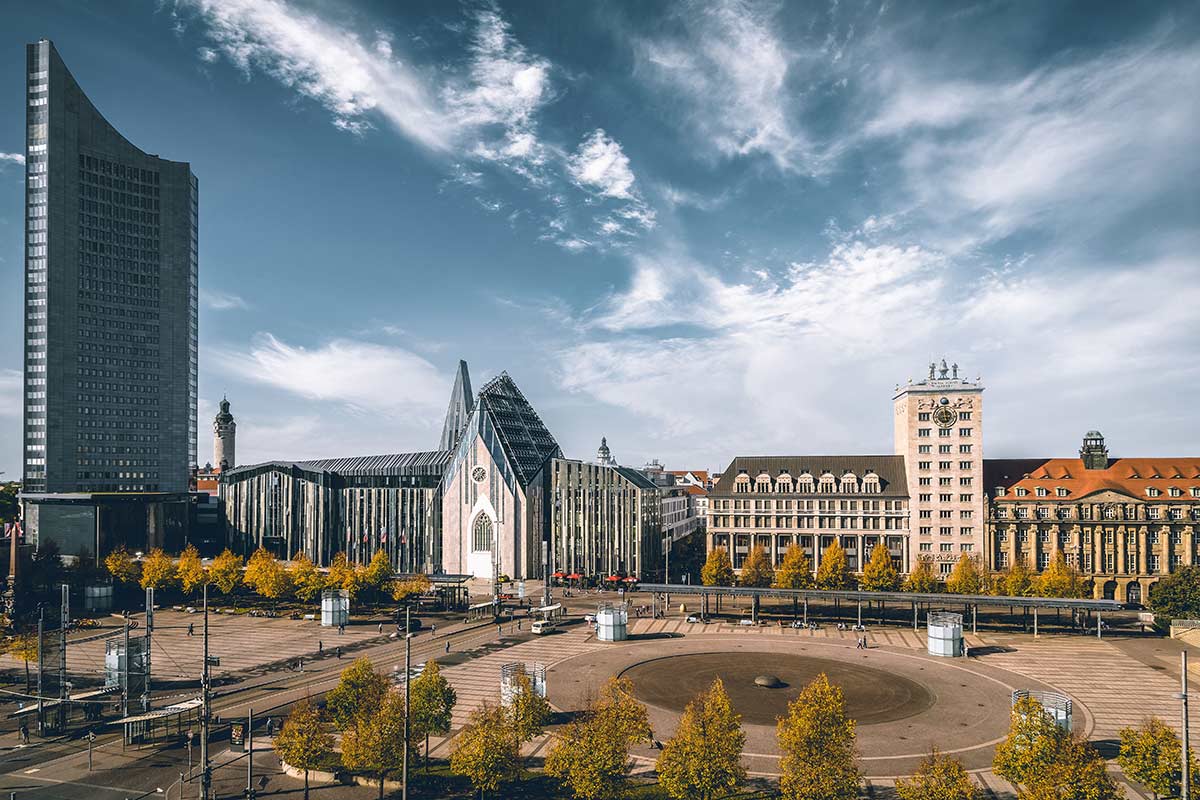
[(111, 300)]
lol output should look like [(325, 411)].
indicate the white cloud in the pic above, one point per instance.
[(222, 301), (351, 77), (11, 158), (207, 55), (601, 165), (733, 69), (11, 404), (358, 375)]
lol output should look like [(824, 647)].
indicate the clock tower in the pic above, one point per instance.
[(938, 427)]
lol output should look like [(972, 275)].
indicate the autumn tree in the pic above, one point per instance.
[(718, 569), (191, 570), (266, 576), (834, 572), (304, 741), (121, 566), (1017, 580), (704, 757), (528, 712), (921, 579), (376, 743), (1152, 755), (1059, 579), (23, 647), (342, 575), (939, 777), (795, 572), (1046, 762), (485, 751), (158, 570), (307, 581), (431, 702), (360, 691), (817, 741), (880, 574), (757, 570), (377, 574), (966, 578), (591, 757), (225, 572), (405, 589)]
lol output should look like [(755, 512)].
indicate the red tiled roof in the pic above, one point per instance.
[(694, 489), (1131, 476)]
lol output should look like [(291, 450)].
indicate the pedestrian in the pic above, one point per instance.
[(447, 647), (339, 651), (381, 627), (24, 733), (433, 629), (499, 632), (341, 628), (191, 628), (320, 647)]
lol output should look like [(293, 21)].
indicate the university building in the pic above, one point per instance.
[(1123, 522)]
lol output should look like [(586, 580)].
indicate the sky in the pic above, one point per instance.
[(698, 229)]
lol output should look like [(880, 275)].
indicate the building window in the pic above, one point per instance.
[(967, 531), (1061, 492), (964, 431), (944, 433), (946, 547), (923, 432), (1002, 560), (946, 567), (923, 464), (1040, 491), (966, 547), (926, 530), (924, 481), (1022, 491), (946, 531), (964, 449), (965, 498), (1155, 561), (925, 547), (1043, 560), (924, 449), (482, 539), (965, 415), (923, 416), (1153, 513), (964, 465)]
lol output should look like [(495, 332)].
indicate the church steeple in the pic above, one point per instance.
[(604, 455), (224, 438), (462, 405)]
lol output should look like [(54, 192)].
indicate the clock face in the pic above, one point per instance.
[(945, 416), (478, 474)]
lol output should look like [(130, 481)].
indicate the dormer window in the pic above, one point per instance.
[(806, 482), (1022, 491), (1152, 491), (1000, 491), (828, 482), (1041, 491), (1061, 491), (1175, 491), (1196, 491)]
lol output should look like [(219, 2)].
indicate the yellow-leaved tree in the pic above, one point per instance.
[(1046, 761), (1016, 581), (409, 588), (704, 757), (158, 570), (121, 566), (378, 573), (304, 741), (817, 741), (191, 570), (1152, 755), (225, 572), (939, 777), (266, 576), (880, 574), (834, 572), (307, 581), (376, 745), (966, 578), (795, 572), (717, 569), (358, 693), (432, 700), (1059, 579), (757, 569), (342, 575), (921, 579), (591, 756), (485, 751)]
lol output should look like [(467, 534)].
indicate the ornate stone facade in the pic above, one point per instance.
[(1122, 522)]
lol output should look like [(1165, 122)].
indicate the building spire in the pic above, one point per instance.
[(604, 455), (462, 405)]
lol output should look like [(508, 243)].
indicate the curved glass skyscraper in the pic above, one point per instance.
[(110, 300)]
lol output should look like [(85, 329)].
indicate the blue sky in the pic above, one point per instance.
[(699, 229)]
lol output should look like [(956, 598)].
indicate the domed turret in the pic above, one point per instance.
[(224, 436)]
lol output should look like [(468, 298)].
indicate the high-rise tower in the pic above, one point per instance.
[(224, 438), (110, 300), (939, 431)]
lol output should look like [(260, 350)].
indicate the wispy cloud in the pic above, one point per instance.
[(600, 167), (11, 158), (222, 301), (359, 375)]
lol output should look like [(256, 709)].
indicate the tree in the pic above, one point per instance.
[(378, 573), (376, 744), (1077, 772), (23, 646), (592, 755), (1152, 756), (358, 693), (1017, 580), (405, 589), (718, 569), (265, 575), (431, 701), (795, 572), (158, 570), (121, 566), (833, 571), (940, 777), (921, 579), (1058, 579), (817, 741), (46, 569), (485, 750), (342, 575), (303, 741), (703, 758), (757, 570), (880, 574), (1032, 744), (528, 712), (9, 507), (307, 581), (966, 577), (1177, 596), (226, 571), (191, 570)]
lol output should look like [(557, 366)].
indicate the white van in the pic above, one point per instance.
[(542, 626)]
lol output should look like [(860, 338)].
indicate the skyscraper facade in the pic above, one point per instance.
[(110, 301)]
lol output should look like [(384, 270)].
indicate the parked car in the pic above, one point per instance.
[(542, 626), (692, 618)]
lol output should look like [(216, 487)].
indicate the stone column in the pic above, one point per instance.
[(1120, 535), (1143, 551)]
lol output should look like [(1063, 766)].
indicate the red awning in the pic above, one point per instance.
[(574, 576), (613, 577), (631, 579), (557, 575)]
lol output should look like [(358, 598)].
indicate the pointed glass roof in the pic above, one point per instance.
[(458, 413), (522, 434)]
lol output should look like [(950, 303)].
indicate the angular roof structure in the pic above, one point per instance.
[(428, 463), (458, 413), (524, 437), (890, 469), (1134, 477)]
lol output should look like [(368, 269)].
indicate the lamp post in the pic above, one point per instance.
[(205, 769), (407, 681), (1185, 785)]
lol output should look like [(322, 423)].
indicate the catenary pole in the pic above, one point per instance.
[(205, 775), (1183, 696), (407, 681)]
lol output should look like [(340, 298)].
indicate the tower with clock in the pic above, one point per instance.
[(938, 428)]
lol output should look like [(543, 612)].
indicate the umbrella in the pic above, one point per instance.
[(614, 577), (574, 576), (631, 579), (557, 575)]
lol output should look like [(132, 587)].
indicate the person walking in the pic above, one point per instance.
[(339, 651), (341, 629), (320, 647), (191, 628), (447, 647), (24, 733), (381, 627)]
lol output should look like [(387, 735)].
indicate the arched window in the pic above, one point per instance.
[(483, 534)]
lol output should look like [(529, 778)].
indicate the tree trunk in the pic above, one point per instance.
[(381, 786), (426, 751), (305, 784), (27, 690)]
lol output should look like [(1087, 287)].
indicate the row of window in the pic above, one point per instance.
[(809, 505), (1086, 512)]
